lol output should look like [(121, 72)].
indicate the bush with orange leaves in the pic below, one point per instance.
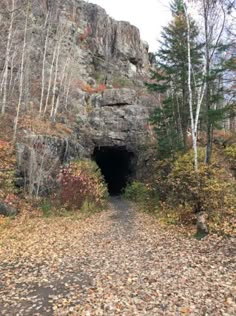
[(89, 89), (81, 183)]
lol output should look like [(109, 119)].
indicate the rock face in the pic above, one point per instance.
[(39, 159), (112, 40), (106, 45), (118, 127), (120, 118), (118, 97), (102, 67)]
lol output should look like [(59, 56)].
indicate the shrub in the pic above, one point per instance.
[(230, 153), (136, 191), (209, 190), (81, 184), (46, 207), (182, 191), (89, 89), (159, 177), (143, 194)]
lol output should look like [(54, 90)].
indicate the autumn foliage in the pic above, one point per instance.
[(81, 182), (89, 89), (210, 189), (176, 192), (7, 156), (7, 168), (85, 34)]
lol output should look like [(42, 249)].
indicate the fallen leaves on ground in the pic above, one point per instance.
[(118, 262)]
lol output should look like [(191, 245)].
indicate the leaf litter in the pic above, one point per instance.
[(117, 262)]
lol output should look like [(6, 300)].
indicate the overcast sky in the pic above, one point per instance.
[(148, 15)]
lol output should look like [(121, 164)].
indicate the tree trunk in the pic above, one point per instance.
[(193, 127), (44, 63), (21, 75), (7, 59), (208, 92)]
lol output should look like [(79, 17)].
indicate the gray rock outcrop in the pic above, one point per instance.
[(101, 94), (105, 45), (119, 97), (39, 158)]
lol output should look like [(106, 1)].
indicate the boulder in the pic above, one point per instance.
[(7, 210), (202, 228)]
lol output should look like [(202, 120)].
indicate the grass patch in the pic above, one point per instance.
[(49, 209), (46, 207)]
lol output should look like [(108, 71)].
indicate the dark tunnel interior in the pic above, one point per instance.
[(116, 166)]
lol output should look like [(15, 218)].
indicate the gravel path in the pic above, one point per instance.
[(117, 262)]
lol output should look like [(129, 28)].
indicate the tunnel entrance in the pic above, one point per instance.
[(116, 166)]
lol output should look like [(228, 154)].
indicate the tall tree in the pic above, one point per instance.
[(171, 76), (21, 88), (7, 58), (214, 21)]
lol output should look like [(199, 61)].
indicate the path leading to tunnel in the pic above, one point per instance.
[(117, 262)]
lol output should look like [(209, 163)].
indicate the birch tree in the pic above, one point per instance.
[(58, 50), (7, 58), (54, 113), (214, 20), (193, 127), (50, 79), (200, 88), (172, 78), (21, 75), (47, 27)]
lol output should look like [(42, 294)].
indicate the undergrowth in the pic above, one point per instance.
[(81, 187), (175, 193)]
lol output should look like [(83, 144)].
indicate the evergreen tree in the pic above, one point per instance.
[(171, 79)]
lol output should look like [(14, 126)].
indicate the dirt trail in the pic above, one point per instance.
[(117, 262)]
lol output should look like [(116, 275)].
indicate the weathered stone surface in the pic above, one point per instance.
[(104, 44), (7, 210), (39, 158), (116, 126), (119, 97), (106, 99), (113, 40)]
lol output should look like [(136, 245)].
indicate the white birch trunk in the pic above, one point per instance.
[(193, 126), (43, 67), (12, 65), (60, 88), (21, 76), (7, 59), (55, 78), (50, 80), (68, 90)]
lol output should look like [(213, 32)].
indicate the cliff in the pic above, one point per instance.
[(107, 46), (81, 69)]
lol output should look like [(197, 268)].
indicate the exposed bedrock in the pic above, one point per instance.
[(107, 100)]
